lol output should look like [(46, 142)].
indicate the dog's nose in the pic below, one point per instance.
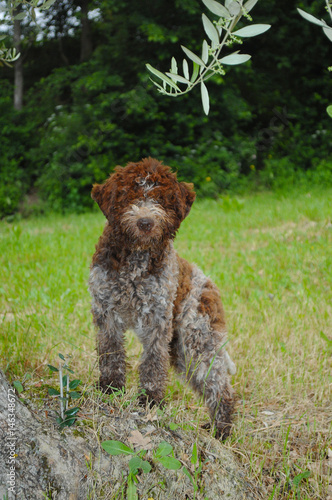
[(145, 224)]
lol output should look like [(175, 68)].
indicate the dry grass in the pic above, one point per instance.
[(271, 257)]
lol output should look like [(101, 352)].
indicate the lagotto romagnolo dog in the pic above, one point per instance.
[(139, 282)]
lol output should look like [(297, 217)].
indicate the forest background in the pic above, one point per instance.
[(88, 104)]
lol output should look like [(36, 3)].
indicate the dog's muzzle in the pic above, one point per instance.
[(145, 224), (145, 221)]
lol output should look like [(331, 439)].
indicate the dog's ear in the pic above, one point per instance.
[(97, 194), (188, 196), (103, 194)]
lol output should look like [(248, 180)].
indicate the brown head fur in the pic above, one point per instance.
[(144, 204)]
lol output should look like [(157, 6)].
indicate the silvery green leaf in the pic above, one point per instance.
[(195, 72), (46, 5), (53, 392), (74, 384), (234, 8), (227, 3), (205, 98), (185, 68), (234, 59), (205, 52), (252, 30), (248, 6), (53, 368), (329, 110), (217, 8), (192, 56), (20, 16), (210, 30), (178, 78), (160, 88), (328, 32), (174, 66), (75, 394), (163, 77), (311, 18)]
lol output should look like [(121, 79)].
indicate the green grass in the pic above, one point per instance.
[(271, 257)]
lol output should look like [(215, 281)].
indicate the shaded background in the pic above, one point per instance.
[(88, 103)]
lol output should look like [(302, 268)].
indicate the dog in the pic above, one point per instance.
[(139, 282)]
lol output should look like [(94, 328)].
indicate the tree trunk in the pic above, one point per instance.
[(18, 67), (37, 461), (86, 43), (62, 54)]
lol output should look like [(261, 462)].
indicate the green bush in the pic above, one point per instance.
[(217, 164), (11, 189), (15, 136)]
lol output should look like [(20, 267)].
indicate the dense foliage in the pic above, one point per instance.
[(89, 103)]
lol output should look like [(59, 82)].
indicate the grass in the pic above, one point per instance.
[(271, 257)]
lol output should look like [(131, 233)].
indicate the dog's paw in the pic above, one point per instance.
[(223, 431), (110, 387), (151, 400)]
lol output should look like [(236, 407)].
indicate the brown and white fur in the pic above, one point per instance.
[(139, 282)]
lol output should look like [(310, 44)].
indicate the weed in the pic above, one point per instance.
[(67, 416), (161, 455)]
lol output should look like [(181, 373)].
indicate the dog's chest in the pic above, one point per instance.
[(136, 298)]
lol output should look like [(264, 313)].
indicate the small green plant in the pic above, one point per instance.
[(297, 480), (18, 386), (197, 466), (161, 455), (67, 416), (220, 35), (327, 340), (135, 463)]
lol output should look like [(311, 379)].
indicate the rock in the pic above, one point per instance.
[(36, 459)]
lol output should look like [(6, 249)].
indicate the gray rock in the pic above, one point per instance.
[(64, 466)]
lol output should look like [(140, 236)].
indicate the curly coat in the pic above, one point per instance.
[(138, 281)]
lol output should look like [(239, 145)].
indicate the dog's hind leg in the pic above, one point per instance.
[(206, 371)]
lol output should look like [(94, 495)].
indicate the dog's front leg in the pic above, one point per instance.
[(153, 369), (111, 328), (112, 359)]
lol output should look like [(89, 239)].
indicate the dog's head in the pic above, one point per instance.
[(144, 202)]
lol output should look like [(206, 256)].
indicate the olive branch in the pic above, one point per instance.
[(220, 34), (13, 10), (326, 29)]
